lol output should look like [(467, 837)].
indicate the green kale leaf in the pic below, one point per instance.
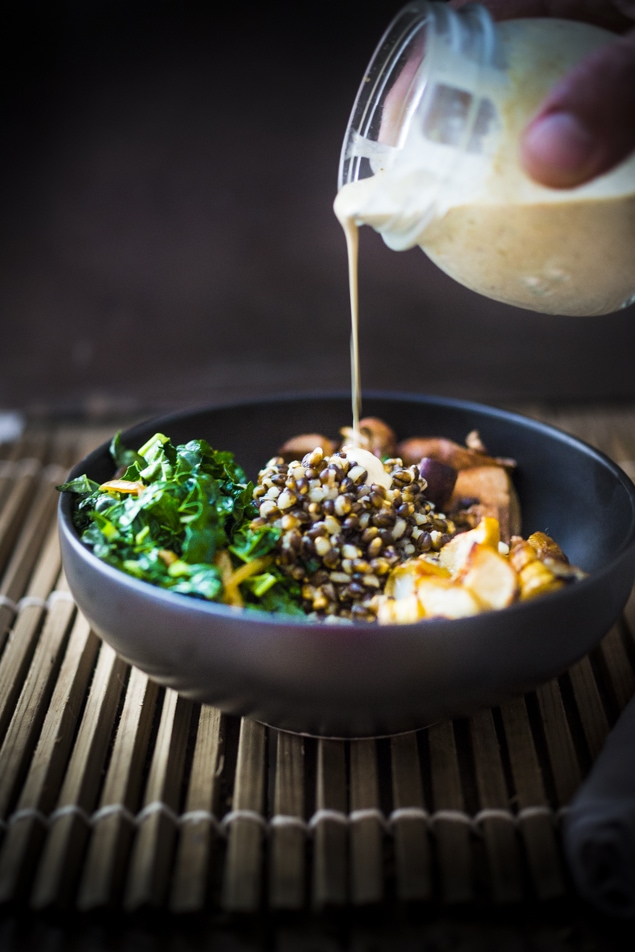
[(179, 516)]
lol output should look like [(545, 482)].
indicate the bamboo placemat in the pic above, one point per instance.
[(115, 793)]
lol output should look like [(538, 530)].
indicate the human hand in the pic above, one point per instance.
[(586, 124)]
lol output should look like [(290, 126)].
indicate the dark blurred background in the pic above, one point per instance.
[(167, 235)]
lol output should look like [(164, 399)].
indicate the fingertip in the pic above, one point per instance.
[(558, 150)]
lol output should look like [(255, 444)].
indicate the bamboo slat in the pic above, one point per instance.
[(16, 498), (452, 829), (536, 821), (30, 710), (112, 830), (330, 839), (21, 847), (618, 667), (153, 849), (410, 828), (198, 837), (287, 841), (61, 859), (366, 833), (498, 832), (242, 882), (563, 760), (23, 638), (24, 555), (589, 705)]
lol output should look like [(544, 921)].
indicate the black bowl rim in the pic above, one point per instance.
[(146, 589)]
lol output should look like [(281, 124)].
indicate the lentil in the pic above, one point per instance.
[(341, 536)]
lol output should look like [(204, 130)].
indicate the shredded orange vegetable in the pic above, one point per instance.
[(232, 578)]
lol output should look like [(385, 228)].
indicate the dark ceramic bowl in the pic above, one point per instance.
[(361, 680)]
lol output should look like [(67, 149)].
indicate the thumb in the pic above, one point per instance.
[(586, 124)]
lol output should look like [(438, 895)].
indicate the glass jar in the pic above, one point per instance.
[(431, 158)]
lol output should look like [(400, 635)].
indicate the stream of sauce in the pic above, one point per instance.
[(371, 463), (351, 233)]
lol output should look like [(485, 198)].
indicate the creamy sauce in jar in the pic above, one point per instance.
[(551, 250), (526, 255)]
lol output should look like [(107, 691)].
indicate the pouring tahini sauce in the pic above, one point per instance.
[(490, 227)]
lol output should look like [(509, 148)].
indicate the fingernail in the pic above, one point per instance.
[(557, 146)]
